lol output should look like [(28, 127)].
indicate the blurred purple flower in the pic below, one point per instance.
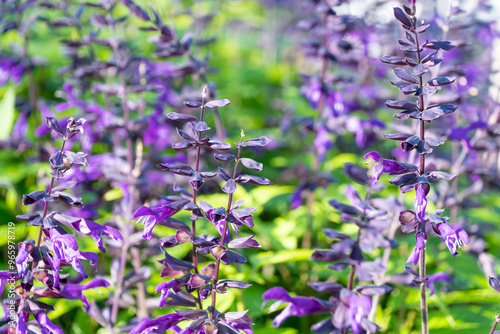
[(322, 142), (157, 133), (75, 291), (71, 101), (10, 68), (437, 277), (335, 103), (46, 325), (297, 196), (312, 91), (352, 310), (363, 130)]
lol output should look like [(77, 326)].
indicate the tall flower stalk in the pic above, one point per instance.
[(204, 281), (55, 247), (411, 177)]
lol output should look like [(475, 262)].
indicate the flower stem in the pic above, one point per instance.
[(46, 207), (223, 237), (141, 304), (352, 270), (497, 319), (307, 238), (422, 271), (387, 251), (195, 193)]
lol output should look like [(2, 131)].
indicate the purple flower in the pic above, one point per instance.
[(150, 217), (313, 91), (420, 201), (322, 142), (298, 306), (453, 236), (20, 127), (11, 68), (157, 134), (46, 325), (415, 254), (22, 258), (22, 327), (165, 287), (359, 307), (158, 325), (297, 196), (88, 227), (379, 166), (75, 291), (65, 249), (352, 309), (335, 102)]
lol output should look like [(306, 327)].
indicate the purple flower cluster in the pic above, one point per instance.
[(196, 284), (420, 58), (55, 248)]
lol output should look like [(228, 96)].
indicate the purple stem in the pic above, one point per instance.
[(195, 192), (307, 239), (497, 319), (46, 207), (224, 231), (141, 300), (422, 271)]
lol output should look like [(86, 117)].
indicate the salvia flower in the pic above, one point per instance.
[(150, 217), (297, 306), (55, 247)]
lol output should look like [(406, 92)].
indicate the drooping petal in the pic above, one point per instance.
[(420, 202), (46, 325), (277, 293), (437, 277), (415, 254), (322, 142), (22, 259), (75, 291), (158, 325)]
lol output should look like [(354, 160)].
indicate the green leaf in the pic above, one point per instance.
[(7, 113), (284, 256)]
